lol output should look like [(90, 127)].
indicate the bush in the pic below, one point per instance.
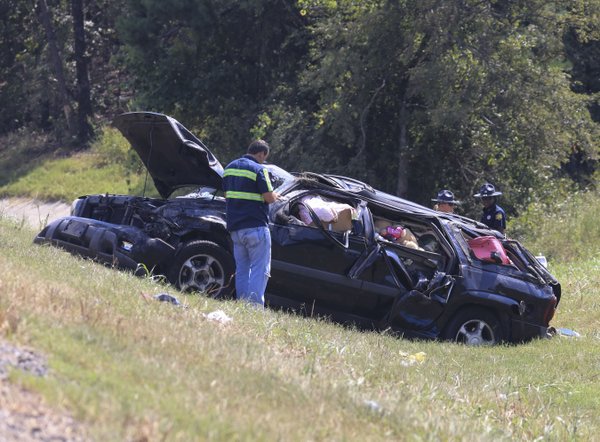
[(563, 229), (112, 148)]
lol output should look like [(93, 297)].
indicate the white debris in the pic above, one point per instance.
[(373, 406), (218, 316), (568, 333)]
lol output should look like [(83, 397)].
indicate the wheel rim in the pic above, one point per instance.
[(476, 332), (202, 273)]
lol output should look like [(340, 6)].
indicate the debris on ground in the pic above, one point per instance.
[(218, 316), (373, 406), (162, 297), (412, 359), (567, 333), (165, 297)]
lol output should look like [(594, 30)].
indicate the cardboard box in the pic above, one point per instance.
[(343, 223)]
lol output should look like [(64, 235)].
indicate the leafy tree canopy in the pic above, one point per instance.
[(409, 95)]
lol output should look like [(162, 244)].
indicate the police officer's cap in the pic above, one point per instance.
[(445, 196), (486, 191)]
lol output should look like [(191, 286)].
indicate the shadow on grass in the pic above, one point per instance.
[(23, 151)]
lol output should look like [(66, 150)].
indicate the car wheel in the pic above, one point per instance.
[(474, 326), (203, 266)]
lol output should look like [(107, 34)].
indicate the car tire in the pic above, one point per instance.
[(474, 326), (204, 266)]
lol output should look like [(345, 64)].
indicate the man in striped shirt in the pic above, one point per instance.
[(248, 192)]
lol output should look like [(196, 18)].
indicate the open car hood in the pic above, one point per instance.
[(173, 156)]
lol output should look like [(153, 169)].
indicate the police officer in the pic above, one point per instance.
[(445, 201), (493, 215), (248, 192)]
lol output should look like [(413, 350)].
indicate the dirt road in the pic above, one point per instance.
[(35, 213)]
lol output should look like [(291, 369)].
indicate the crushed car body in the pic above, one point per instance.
[(340, 248)]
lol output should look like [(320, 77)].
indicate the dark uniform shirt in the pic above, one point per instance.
[(244, 182), (494, 217)]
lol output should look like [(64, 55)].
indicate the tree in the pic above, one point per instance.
[(416, 95), (45, 70), (84, 104), (211, 64), (56, 61), (15, 19), (582, 49)]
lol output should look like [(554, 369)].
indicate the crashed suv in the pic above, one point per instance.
[(339, 247)]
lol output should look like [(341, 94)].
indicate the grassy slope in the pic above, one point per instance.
[(129, 366), (108, 166)]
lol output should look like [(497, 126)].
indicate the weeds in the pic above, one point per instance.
[(9, 321), (565, 231)]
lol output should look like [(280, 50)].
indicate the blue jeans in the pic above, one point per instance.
[(252, 253)]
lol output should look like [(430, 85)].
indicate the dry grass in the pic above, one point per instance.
[(132, 368)]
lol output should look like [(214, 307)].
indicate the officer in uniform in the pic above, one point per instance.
[(445, 201), (248, 192), (493, 215)]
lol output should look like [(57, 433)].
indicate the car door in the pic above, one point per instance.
[(382, 277), (310, 263), (397, 281)]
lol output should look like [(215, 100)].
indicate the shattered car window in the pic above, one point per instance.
[(278, 176)]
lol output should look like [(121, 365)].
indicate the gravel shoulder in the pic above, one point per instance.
[(24, 416)]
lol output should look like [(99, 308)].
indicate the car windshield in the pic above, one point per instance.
[(278, 175)]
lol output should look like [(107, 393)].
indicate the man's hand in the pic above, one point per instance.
[(270, 197)]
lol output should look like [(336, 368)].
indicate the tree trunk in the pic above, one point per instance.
[(84, 104), (402, 177), (56, 62)]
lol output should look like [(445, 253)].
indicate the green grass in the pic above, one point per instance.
[(130, 367), (566, 229), (108, 166)]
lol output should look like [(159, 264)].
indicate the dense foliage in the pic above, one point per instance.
[(409, 95)]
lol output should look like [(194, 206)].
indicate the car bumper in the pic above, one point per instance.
[(522, 331), (121, 246)]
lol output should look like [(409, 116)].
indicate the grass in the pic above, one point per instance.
[(564, 229), (108, 166), (131, 368)]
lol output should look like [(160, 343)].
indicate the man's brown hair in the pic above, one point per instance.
[(258, 146)]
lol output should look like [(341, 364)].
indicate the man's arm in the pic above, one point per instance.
[(270, 197)]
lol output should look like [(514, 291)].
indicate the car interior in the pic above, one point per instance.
[(315, 210)]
